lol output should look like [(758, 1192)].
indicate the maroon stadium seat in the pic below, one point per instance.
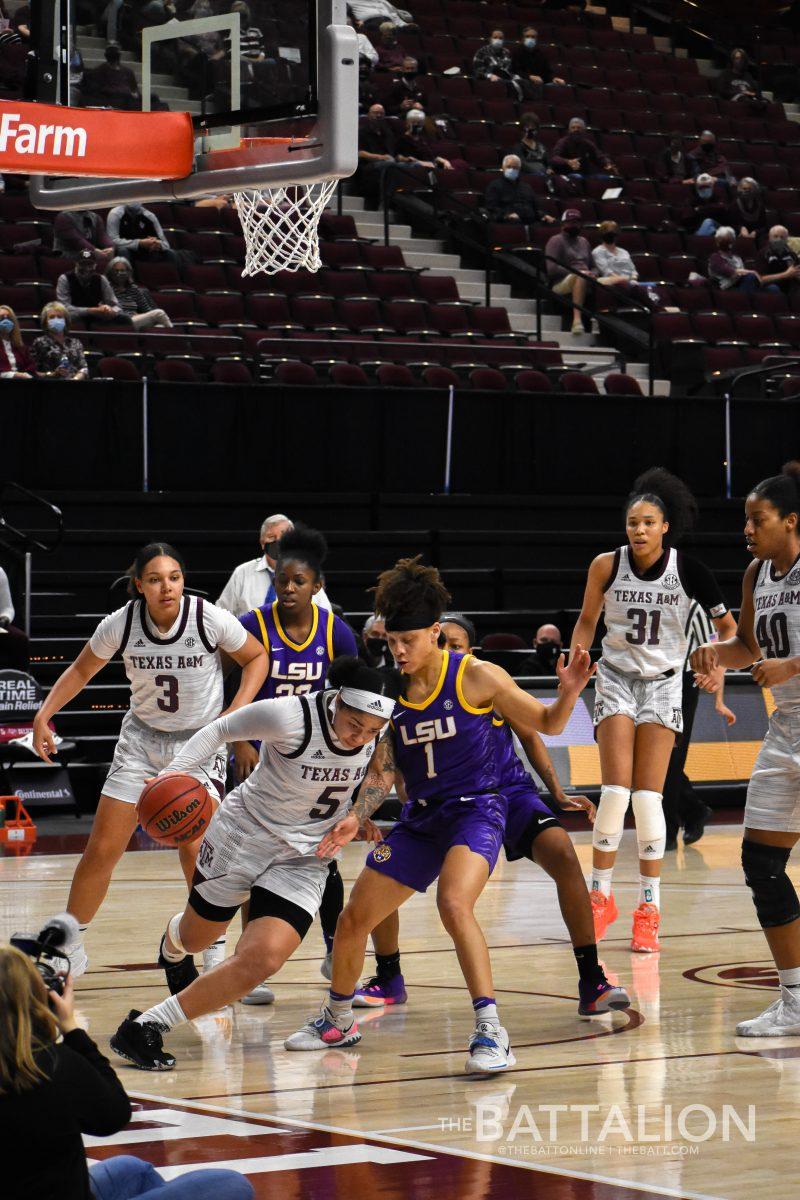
[(348, 375), (231, 370), (176, 370), (440, 377), (532, 381), (295, 372), (395, 375), (577, 381), (617, 384), (503, 641), (488, 379), (119, 368)]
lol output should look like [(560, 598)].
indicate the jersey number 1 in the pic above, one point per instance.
[(639, 635)]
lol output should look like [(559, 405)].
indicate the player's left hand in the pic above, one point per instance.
[(343, 832), (575, 677), (581, 802), (728, 715), (770, 671), (369, 832)]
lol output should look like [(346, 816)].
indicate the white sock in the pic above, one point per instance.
[(650, 890), (487, 1012), (601, 880), (166, 1015), (341, 1009), (790, 978), (172, 956)]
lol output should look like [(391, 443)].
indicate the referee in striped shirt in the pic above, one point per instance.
[(683, 808)]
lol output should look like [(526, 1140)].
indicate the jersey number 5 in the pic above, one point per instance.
[(169, 701), (639, 635), (328, 803)]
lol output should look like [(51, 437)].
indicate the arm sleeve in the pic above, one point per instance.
[(279, 722), (227, 632), (106, 639), (112, 229), (107, 293), (159, 230), (63, 297), (93, 1088), (344, 640), (701, 585), (553, 249)]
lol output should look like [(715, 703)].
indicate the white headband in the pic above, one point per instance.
[(368, 702)]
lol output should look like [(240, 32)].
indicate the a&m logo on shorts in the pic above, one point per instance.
[(671, 582), (206, 855), (382, 853)]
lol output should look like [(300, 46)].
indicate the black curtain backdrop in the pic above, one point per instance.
[(82, 436)]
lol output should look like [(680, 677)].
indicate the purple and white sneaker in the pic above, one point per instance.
[(380, 993), (601, 998)]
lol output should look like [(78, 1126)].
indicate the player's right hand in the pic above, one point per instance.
[(705, 660), (43, 741)]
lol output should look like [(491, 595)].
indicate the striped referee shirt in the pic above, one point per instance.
[(699, 628)]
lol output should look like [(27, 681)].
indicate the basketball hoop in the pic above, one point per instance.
[(281, 226)]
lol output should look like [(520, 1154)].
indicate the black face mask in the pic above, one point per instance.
[(609, 238), (271, 550), (547, 652), (376, 647)]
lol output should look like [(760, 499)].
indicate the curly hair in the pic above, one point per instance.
[(659, 486), (305, 545), (408, 588)]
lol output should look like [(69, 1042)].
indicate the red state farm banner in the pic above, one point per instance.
[(50, 139)]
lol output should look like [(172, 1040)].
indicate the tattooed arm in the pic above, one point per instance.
[(374, 788)]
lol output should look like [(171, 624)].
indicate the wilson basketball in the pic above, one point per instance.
[(174, 809)]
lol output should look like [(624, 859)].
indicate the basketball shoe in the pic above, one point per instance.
[(604, 911), (142, 1045), (603, 997), (322, 1033), (78, 959), (179, 974), (489, 1050), (261, 994), (646, 920), (326, 966), (214, 955), (781, 1019), (378, 993)]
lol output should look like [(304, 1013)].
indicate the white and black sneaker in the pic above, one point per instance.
[(179, 974), (142, 1045), (489, 1050)]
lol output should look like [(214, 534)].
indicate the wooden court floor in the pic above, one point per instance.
[(662, 1100)]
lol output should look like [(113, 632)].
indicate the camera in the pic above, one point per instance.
[(46, 948)]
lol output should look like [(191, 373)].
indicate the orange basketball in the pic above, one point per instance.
[(174, 809)]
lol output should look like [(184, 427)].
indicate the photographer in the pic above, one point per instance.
[(52, 1091)]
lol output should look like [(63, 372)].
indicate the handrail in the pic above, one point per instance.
[(541, 288), (25, 541)]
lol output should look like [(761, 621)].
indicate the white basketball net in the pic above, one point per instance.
[(280, 226)]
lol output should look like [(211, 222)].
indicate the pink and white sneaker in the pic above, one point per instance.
[(322, 1033)]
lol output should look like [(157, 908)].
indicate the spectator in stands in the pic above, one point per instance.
[(578, 155), (376, 145), (136, 233), (748, 212), (613, 263), (509, 199), (726, 270), (251, 39), (493, 61), (367, 54), (415, 148), (738, 83), (376, 648), (56, 355), (705, 209), (15, 360), (112, 83), (136, 302), (531, 152), (83, 230), (21, 22), (372, 13), (457, 633), (547, 646), (252, 583), (530, 62), (674, 161), (405, 92), (391, 54), (567, 254), (198, 53), (87, 294), (705, 159), (14, 650), (777, 263)]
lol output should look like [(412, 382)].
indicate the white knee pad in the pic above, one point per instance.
[(610, 819), (651, 828), (173, 930)]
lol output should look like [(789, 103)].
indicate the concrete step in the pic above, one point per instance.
[(439, 264), (451, 266), (469, 290), (370, 226)]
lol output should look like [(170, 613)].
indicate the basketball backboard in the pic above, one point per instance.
[(250, 75)]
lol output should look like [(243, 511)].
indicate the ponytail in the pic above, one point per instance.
[(660, 487), (782, 491)]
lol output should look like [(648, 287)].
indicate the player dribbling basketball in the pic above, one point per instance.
[(768, 636), (169, 643)]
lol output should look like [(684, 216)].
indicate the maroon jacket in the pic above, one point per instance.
[(23, 360)]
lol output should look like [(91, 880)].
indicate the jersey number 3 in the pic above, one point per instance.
[(328, 803), (639, 634), (168, 702)]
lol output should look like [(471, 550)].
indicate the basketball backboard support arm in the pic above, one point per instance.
[(329, 148)]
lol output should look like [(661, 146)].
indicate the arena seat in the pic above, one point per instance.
[(119, 368), (395, 375), (532, 381), (617, 384)]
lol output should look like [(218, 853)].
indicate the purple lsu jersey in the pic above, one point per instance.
[(528, 814), (445, 748), (298, 668)]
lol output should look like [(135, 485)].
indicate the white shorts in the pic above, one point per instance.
[(773, 794), (238, 854), (645, 701), (142, 752)]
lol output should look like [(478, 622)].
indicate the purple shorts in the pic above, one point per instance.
[(528, 816), (414, 851)]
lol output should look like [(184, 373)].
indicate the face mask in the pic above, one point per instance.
[(376, 647), (707, 147), (725, 247), (609, 237), (748, 195), (6, 326), (571, 232), (705, 193), (56, 324), (497, 43), (530, 42), (271, 549), (531, 132), (776, 245), (547, 652), (511, 173)]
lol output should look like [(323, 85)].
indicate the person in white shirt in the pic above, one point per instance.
[(252, 583), (613, 262), (372, 12)]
